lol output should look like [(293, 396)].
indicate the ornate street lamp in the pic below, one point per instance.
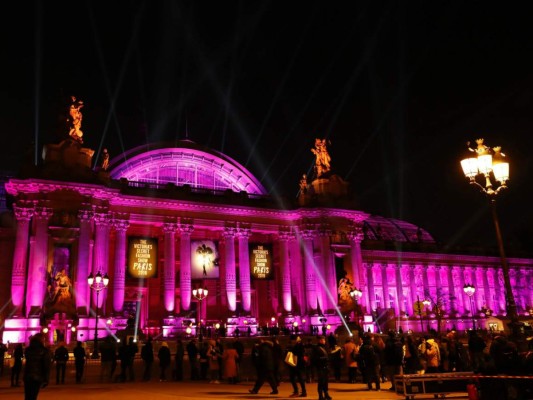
[(200, 295), (491, 165), (356, 294), (97, 283), (470, 290)]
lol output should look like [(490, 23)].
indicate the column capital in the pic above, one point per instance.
[(307, 231), (102, 219), (355, 233), (243, 232), (23, 213), (121, 225), (170, 227), (85, 215), (285, 236), (43, 213), (229, 232)]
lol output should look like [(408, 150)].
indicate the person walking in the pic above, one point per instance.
[(393, 356), (61, 358), (18, 355), (37, 368), (335, 355), (297, 372), (79, 361), (147, 355), (164, 361), (263, 360), (108, 359), (320, 361)]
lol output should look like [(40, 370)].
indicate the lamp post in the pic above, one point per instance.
[(470, 290), (200, 295), (491, 164), (356, 294), (97, 283), (426, 304)]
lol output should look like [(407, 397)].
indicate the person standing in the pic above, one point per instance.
[(335, 355), (79, 361), (239, 347), (369, 357), (351, 364), (147, 355), (18, 355), (3, 350), (214, 364), (192, 352), (164, 361), (297, 373), (108, 359), (230, 357), (320, 360), (37, 368), (61, 358), (180, 354)]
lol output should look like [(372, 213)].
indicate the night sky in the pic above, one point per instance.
[(398, 87)]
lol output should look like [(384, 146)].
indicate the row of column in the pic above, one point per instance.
[(305, 249)]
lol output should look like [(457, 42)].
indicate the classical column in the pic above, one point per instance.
[(460, 304), (185, 228), (39, 260), (231, 277), (85, 217), (328, 270), (355, 237), (465, 299), (18, 278), (297, 271), (309, 268), (243, 233), (486, 289), (412, 286), (399, 290), (101, 253), (384, 285), (371, 293), (285, 267), (451, 290), (119, 278), (439, 292), (425, 280)]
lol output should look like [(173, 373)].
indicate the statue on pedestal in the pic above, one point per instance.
[(323, 159), (75, 119)]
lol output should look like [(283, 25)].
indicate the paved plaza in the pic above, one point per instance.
[(187, 390)]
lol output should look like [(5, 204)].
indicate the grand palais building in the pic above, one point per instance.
[(161, 222)]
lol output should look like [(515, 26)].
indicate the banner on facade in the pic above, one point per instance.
[(261, 261), (142, 257), (204, 259)]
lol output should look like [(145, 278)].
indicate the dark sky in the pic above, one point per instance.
[(398, 87)]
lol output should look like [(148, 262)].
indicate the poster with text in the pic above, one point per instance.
[(204, 259), (261, 261), (142, 257)]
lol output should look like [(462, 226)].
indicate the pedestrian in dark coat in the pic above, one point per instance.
[(37, 368), (369, 357), (320, 361), (61, 358), (147, 355), (18, 355), (79, 361), (297, 373), (264, 362), (192, 352), (180, 354), (164, 361)]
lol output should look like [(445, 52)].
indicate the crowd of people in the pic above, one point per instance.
[(371, 359)]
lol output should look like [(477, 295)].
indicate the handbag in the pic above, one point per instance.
[(291, 359)]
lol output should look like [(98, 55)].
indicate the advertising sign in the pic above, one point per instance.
[(204, 259), (142, 257), (261, 261)]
